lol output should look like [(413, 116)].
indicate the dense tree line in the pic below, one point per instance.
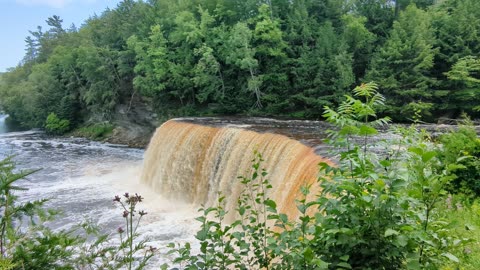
[(262, 57)]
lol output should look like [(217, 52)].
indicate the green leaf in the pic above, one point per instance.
[(344, 265), (241, 210), (283, 218), (413, 264), (271, 204), (390, 232), (345, 258), (320, 265), (367, 130), (416, 150), (427, 156), (302, 208), (451, 257), (401, 241), (308, 254)]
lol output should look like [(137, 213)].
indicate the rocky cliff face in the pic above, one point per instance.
[(134, 125)]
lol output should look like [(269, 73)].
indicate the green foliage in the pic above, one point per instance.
[(403, 65), (458, 48), (466, 70), (31, 245), (465, 226), (464, 77), (354, 115), (6, 264), (374, 211), (242, 244), (94, 131), (255, 57), (55, 125), (45, 249), (461, 150)]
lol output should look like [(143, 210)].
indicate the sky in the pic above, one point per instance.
[(17, 17)]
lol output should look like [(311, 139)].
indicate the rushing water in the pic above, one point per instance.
[(194, 162), (81, 178), (3, 126)]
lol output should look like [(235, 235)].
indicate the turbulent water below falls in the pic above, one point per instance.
[(81, 178), (188, 161)]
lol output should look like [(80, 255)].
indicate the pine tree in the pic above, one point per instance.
[(402, 67)]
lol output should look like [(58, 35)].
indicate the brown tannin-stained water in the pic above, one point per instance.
[(308, 132), (188, 161), (193, 163)]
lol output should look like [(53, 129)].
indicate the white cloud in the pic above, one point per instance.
[(50, 3)]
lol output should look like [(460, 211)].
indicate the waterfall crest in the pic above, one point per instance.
[(193, 163)]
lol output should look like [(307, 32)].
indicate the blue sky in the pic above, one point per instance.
[(19, 16)]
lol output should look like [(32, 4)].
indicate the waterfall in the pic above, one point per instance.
[(193, 163), (3, 127)]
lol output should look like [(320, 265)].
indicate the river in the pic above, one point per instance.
[(81, 178)]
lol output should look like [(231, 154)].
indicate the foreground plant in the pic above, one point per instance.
[(376, 210), (25, 241), (130, 253), (128, 247)]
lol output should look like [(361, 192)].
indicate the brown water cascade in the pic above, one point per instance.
[(193, 163)]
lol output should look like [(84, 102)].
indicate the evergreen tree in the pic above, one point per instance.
[(465, 78), (402, 67)]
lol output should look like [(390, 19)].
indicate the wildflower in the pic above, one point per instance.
[(125, 214), (117, 198), (142, 213), (120, 230)]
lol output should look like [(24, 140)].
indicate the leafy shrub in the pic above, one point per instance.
[(462, 147), (466, 223), (95, 131), (6, 264), (33, 246), (375, 211), (55, 125)]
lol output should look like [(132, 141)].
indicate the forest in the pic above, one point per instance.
[(357, 64), (283, 58)]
